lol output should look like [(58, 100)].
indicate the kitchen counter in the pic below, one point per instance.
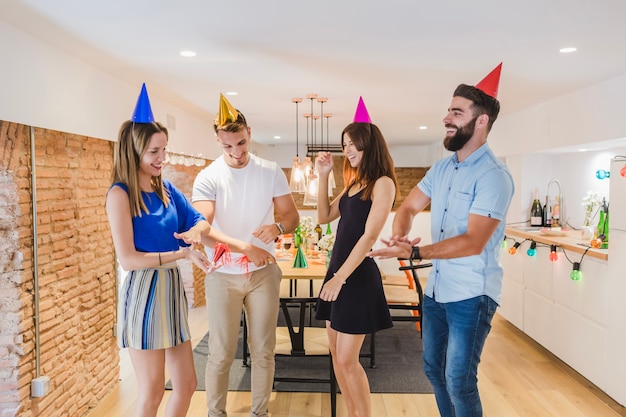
[(571, 241)]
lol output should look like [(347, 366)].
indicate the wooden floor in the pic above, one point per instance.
[(517, 378)]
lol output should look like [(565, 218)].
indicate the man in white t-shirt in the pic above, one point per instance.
[(238, 194)]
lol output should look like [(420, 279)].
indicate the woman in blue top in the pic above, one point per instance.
[(149, 219)]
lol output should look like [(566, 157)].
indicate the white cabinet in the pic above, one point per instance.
[(569, 318)]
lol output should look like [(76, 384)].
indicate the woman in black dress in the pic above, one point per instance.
[(352, 300)]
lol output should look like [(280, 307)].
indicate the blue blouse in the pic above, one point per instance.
[(154, 231)]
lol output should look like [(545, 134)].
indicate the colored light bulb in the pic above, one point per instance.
[(553, 255), (622, 171), (532, 251), (575, 275), (602, 174), (514, 248), (504, 245), (596, 243)]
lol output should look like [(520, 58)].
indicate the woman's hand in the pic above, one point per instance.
[(200, 259), (324, 163), (330, 290)]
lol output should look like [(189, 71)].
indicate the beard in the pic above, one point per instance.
[(461, 137)]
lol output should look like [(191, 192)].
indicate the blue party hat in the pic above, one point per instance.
[(143, 111)]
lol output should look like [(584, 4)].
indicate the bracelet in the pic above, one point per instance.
[(160, 259), (415, 253), (280, 227)]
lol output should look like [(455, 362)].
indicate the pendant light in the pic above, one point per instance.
[(297, 178), (312, 185), (331, 177)]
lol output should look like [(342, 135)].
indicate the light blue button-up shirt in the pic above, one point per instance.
[(480, 185)]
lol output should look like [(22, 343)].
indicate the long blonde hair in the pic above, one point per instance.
[(132, 143)]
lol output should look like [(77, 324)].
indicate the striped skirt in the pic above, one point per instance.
[(152, 310)]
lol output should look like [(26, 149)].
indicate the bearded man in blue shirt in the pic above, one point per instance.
[(469, 193)]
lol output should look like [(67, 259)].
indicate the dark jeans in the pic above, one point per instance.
[(454, 335)]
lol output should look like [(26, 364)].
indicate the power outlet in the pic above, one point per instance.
[(40, 387)]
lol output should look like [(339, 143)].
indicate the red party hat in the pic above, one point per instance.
[(489, 85)]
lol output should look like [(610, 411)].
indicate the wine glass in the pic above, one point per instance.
[(287, 241)]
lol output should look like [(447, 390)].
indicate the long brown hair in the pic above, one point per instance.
[(376, 161), (132, 143)]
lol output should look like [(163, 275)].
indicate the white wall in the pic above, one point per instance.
[(45, 87)]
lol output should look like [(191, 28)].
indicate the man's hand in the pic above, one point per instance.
[(266, 233), (259, 257), (396, 247)]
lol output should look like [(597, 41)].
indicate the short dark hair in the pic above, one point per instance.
[(482, 103)]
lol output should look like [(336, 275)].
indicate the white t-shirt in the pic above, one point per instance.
[(243, 200)]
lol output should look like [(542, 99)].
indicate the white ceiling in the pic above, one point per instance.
[(405, 57)]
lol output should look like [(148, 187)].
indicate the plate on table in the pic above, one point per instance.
[(552, 232)]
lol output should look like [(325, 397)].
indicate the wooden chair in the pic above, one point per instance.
[(298, 338), (407, 298)]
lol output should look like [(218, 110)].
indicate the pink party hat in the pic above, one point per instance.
[(143, 111), (489, 85), (361, 115)]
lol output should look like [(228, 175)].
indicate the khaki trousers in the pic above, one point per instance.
[(226, 295)]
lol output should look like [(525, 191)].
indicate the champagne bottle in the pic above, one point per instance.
[(536, 212), (556, 212), (318, 232), (547, 220)]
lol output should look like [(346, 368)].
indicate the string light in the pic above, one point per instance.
[(575, 275), (514, 248), (553, 255), (602, 174), (504, 244)]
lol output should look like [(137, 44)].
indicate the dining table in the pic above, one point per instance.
[(313, 271)]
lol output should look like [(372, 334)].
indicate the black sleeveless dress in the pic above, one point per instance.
[(361, 307)]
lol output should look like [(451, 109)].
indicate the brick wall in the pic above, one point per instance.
[(75, 271), (182, 177)]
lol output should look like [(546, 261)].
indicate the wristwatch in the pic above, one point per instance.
[(415, 253), (280, 227)]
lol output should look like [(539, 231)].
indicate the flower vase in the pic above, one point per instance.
[(329, 254), (587, 231)]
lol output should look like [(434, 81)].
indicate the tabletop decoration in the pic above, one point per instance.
[(326, 243), (591, 202), (299, 261)]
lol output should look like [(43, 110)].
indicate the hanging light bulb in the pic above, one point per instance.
[(532, 251), (553, 255), (575, 275), (602, 174), (312, 184), (331, 177), (504, 244), (622, 171), (513, 250), (297, 178)]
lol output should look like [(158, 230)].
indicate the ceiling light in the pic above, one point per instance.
[(187, 54), (231, 93), (567, 50), (276, 137), (423, 127)]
